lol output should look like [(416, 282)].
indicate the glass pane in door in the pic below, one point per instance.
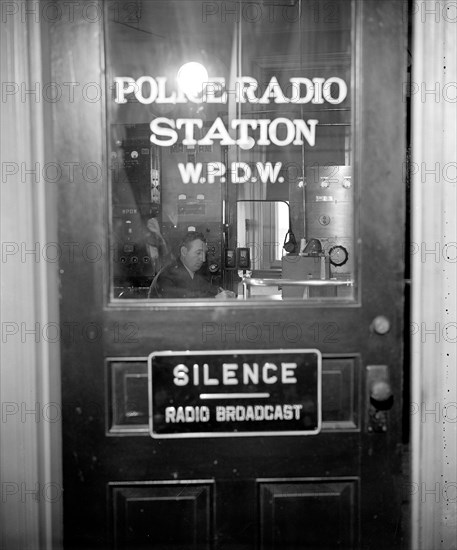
[(230, 137)]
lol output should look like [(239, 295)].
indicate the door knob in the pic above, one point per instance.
[(380, 398)]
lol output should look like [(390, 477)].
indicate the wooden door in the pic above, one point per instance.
[(338, 488)]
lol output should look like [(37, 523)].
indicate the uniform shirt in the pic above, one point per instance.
[(174, 281)]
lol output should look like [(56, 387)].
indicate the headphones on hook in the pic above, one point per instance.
[(290, 242)]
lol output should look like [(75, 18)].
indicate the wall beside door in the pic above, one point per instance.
[(30, 442)]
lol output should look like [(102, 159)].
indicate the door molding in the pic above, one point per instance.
[(434, 212)]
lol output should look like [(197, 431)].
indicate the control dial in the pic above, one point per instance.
[(338, 255)]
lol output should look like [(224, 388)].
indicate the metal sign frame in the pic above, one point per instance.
[(205, 397)]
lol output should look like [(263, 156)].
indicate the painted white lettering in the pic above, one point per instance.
[(189, 124), (265, 377), (230, 413), (233, 374), (296, 92), (300, 90), (229, 374), (289, 128), (267, 172), (187, 414), (180, 415), (215, 169), (217, 131), (170, 414), (278, 413), (207, 381), (250, 374), (287, 373), (180, 373), (245, 89), (342, 90), (288, 412), (250, 413), (158, 130), (190, 172), (123, 85), (240, 414), (196, 376), (273, 90), (220, 414), (153, 90), (318, 83), (244, 140), (257, 413), (263, 127), (241, 172), (162, 91), (292, 131), (309, 132)]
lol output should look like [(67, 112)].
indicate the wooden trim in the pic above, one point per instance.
[(434, 212)]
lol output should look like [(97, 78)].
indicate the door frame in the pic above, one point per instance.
[(433, 41), (433, 357)]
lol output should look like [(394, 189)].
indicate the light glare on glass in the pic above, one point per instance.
[(191, 78)]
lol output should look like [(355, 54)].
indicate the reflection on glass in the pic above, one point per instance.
[(262, 226), (238, 128)]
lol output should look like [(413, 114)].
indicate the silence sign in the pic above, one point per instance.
[(234, 393)]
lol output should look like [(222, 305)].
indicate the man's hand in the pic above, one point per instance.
[(225, 295)]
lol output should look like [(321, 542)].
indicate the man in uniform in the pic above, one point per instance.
[(182, 279)]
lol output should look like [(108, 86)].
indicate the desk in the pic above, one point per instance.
[(248, 282)]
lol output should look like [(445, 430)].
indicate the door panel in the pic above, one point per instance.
[(290, 508), (124, 489), (170, 514)]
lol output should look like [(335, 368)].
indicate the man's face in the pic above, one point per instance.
[(194, 255)]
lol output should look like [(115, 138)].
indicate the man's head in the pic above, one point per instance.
[(193, 250)]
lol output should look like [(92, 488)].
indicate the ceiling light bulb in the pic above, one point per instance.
[(191, 78)]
